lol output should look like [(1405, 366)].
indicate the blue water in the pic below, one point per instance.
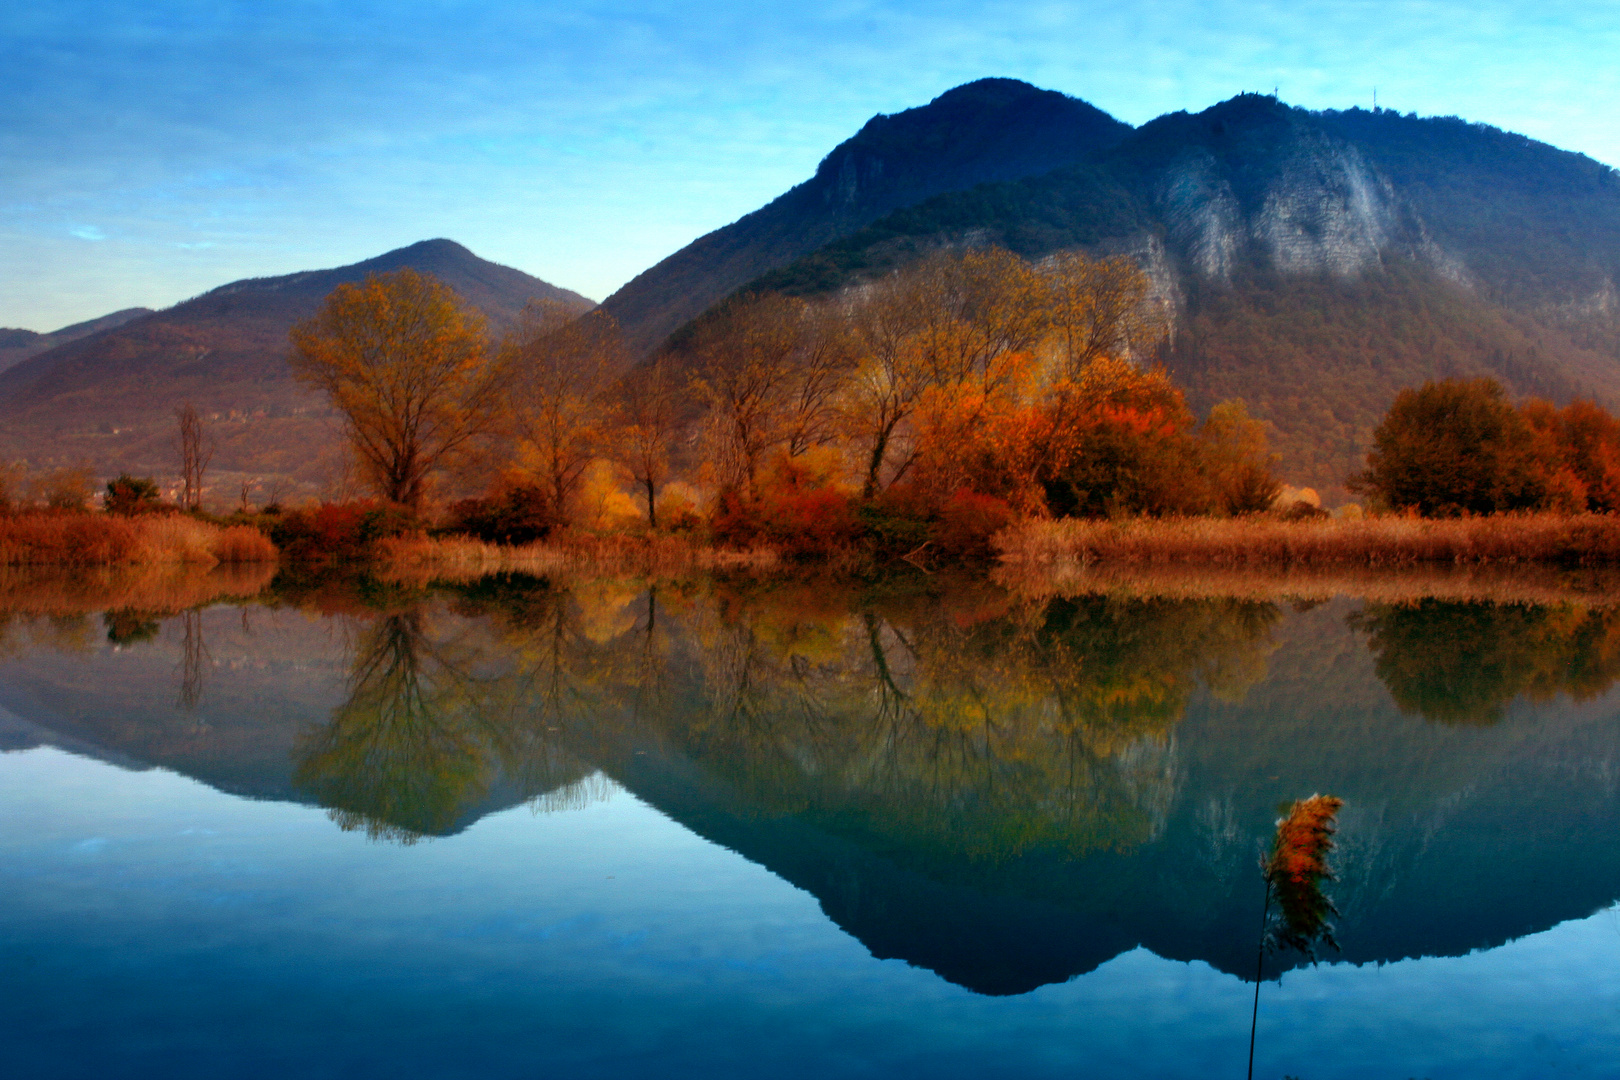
[(153, 924)]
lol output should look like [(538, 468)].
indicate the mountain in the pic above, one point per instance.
[(993, 129), (108, 398), (1316, 262), (18, 345)]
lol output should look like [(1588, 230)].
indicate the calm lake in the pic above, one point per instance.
[(517, 829)]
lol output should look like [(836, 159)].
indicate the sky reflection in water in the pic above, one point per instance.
[(1044, 818)]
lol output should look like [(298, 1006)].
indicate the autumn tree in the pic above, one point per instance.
[(128, 494), (1237, 460), (1578, 452), (765, 369), (1121, 440), (67, 488), (560, 367), (954, 320), (408, 366), (1453, 447), (1099, 307), (196, 451)]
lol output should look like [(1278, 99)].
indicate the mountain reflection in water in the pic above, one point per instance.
[(1007, 792)]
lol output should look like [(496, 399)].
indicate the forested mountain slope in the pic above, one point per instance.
[(993, 129), (18, 345)]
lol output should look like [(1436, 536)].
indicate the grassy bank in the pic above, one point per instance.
[(80, 539), (1580, 540)]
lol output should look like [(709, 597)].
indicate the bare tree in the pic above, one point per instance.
[(196, 451), (650, 420), (767, 369), (560, 366)]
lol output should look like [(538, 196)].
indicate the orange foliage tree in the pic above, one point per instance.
[(407, 365)]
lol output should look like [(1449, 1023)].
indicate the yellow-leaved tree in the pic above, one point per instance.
[(408, 365)]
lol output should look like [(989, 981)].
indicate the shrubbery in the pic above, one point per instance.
[(510, 514), (338, 531), (1459, 447), (132, 495)]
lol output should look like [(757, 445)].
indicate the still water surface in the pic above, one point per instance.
[(600, 831)]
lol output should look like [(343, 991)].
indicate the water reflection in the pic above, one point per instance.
[(431, 718), (1463, 663), (1006, 791)]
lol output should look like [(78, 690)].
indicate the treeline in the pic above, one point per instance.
[(1460, 447), (929, 407)]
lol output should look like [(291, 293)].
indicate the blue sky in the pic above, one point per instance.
[(149, 151)]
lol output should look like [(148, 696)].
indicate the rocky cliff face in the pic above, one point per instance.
[(1255, 184)]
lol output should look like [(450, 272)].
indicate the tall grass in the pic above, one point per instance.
[(1552, 539), (79, 539)]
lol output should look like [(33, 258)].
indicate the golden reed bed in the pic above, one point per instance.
[(1509, 559), (69, 539), (1565, 540)]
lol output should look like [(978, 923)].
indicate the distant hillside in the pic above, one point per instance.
[(18, 345), (108, 398), (993, 129), (1318, 262)]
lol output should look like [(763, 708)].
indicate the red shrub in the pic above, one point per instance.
[(968, 520), (797, 523), (335, 531)]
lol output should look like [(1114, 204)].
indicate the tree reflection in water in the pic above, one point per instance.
[(1462, 663), (422, 734), (959, 726), (1007, 791)]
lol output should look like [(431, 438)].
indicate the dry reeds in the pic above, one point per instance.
[(458, 559), (1297, 868), (1552, 539), (79, 540), (66, 539), (243, 544)]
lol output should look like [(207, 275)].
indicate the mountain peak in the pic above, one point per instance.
[(991, 89), (437, 248), (982, 131), (988, 122)]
